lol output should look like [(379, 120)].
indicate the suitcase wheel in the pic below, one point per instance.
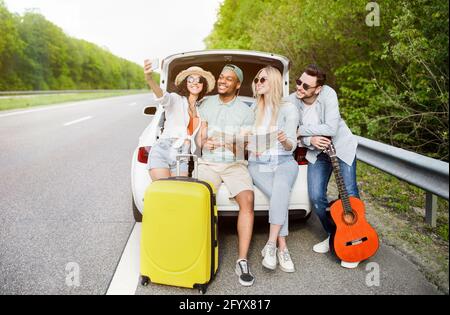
[(145, 281), (201, 288)]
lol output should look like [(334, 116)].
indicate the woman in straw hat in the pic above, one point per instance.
[(182, 119)]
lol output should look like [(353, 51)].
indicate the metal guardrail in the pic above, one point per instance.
[(426, 173), (12, 93)]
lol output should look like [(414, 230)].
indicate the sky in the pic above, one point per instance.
[(131, 29)]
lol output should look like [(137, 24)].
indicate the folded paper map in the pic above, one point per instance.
[(257, 143)]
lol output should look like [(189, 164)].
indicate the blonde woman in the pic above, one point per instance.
[(274, 171)]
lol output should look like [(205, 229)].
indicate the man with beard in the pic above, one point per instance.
[(226, 114), (320, 120)]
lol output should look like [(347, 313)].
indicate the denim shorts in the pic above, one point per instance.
[(163, 155)]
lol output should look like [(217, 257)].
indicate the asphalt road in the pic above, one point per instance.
[(315, 274), (65, 193), (65, 209)]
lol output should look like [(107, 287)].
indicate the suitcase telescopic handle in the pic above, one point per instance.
[(188, 157)]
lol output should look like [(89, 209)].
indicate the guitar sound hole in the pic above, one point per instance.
[(349, 218)]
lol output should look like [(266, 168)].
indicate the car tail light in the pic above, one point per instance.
[(300, 156), (143, 154)]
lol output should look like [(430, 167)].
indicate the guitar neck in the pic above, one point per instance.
[(341, 184)]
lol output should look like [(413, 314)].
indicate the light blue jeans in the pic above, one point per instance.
[(275, 179)]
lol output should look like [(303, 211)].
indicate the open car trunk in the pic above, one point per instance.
[(214, 60)]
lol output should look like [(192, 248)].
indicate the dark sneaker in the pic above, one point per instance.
[(243, 271)]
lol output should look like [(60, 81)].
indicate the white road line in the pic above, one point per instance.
[(22, 112), (132, 104), (51, 107), (126, 278), (77, 121)]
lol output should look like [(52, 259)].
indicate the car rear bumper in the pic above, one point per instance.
[(140, 180)]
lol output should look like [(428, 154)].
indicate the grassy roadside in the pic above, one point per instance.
[(397, 210), (26, 101)]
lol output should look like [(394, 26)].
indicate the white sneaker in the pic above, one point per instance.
[(285, 261), (270, 258), (322, 247), (349, 265)]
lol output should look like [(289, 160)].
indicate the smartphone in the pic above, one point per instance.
[(155, 64)]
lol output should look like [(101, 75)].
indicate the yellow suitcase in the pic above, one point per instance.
[(179, 245)]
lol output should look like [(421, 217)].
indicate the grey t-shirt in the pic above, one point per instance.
[(310, 115), (330, 124)]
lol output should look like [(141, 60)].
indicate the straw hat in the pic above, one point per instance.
[(198, 71)]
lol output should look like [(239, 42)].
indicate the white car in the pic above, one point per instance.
[(214, 60)]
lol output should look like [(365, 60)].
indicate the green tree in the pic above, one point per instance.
[(10, 50), (35, 54), (392, 79)]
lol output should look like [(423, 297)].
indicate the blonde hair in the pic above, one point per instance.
[(273, 98)]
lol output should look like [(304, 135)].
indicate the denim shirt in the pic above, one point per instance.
[(331, 124), (287, 121)]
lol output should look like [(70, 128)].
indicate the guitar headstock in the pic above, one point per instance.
[(330, 150)]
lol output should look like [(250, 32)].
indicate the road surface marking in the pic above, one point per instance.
[(77, 121), (51, 107), (126, 278), (132, 104), (22, 112)]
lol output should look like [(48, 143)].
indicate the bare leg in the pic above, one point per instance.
[(181, 174), (158, 173), (274, 232), (282, 243), (245, 221)]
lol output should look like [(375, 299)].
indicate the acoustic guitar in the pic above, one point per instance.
[(355, 239)]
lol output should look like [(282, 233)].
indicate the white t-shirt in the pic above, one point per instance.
[(310, 115), (265, 127), (267, 117)]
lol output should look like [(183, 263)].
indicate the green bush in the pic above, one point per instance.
[(392, 80)]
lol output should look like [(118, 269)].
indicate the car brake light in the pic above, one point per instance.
[(143, 154), (300, 156)]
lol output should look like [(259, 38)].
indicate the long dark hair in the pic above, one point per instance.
[(183, 90)]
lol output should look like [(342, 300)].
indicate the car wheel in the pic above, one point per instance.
[(136, 213)]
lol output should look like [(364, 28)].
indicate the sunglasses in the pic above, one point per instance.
[(193, 80), (262, 80), (305, 85)]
